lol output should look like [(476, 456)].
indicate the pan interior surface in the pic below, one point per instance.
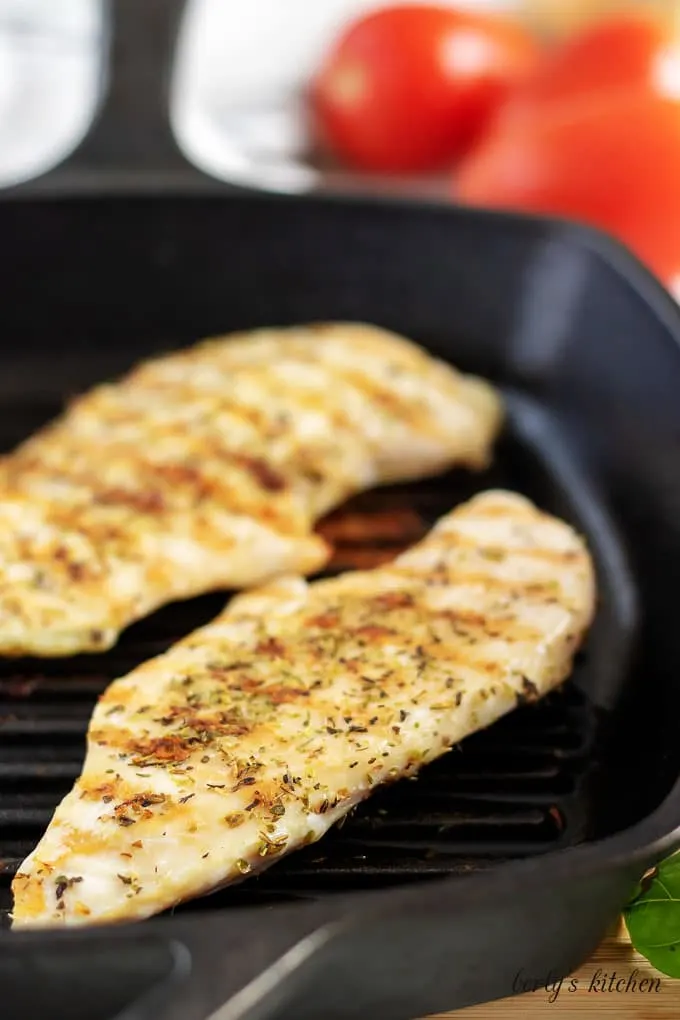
[(543, 778)]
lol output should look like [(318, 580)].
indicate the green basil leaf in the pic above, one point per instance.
[(653, 917)]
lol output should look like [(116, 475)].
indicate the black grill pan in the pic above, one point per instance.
[(509, 857)]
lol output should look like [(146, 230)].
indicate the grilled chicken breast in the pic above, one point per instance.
[(207, 469), (255, 734)]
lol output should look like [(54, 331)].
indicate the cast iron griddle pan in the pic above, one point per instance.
[(505, 861)]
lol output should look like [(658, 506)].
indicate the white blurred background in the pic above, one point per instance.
[(50, 63), (238, 74), (237, 109)]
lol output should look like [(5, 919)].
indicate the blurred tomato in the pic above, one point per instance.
[(627, 51), (409, 88), (613, 162)]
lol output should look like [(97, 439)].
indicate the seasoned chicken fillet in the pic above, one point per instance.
[(255, 734), (208, 468)]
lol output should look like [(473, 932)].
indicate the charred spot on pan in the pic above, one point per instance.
[(557, 817)]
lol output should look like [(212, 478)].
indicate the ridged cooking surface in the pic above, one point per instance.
[(518, 789)]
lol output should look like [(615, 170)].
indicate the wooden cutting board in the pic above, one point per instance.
[(616, 984)]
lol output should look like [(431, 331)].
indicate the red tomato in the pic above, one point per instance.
[(408, 89), (627, 51), (612, 163)]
